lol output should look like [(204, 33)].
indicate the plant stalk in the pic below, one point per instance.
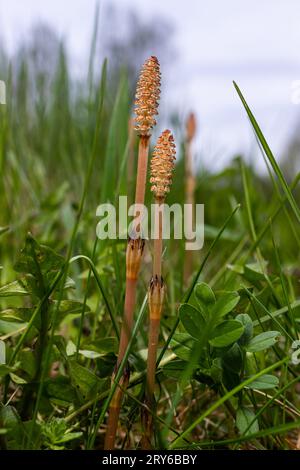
[(155, 300), (134, 252), (190, 185)]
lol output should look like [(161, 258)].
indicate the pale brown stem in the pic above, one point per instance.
[(130, 296), (115, 406), (152, 352), (114, 410), (147, 418), (128, 317), (190, 199), (112, 425), (155, 307)]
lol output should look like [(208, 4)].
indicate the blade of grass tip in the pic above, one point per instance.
[(88, 175), (196, 277), (269, 155), (277, 189), (119, 374), (225, 397)]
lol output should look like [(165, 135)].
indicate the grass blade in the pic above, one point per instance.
[(270, 156)]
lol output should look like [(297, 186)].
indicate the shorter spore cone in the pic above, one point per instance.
[(162, 164)]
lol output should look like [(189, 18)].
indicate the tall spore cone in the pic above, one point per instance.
[(162, 165), (147, 97)]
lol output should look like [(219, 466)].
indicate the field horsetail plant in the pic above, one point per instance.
[(150, 342), (146, 108), (162, 166)]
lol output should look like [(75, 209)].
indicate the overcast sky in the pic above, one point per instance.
[(255, 42)]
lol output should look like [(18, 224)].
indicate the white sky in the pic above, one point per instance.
[(255, 42)]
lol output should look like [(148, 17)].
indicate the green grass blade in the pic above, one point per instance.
[(270, 156)]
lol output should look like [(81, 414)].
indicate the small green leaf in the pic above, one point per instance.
[(14, 288), (89, 354), (224, 305), (264, 382), (204, 295), (192, 320), (28, 362), (102, 345), (70, 436), (245, 416), (248, 324), (70, 348), (263, 341), (254, 271), (85, 381), (17, 314), (35, 257), (18, 380), (59, 388), (7, 327), (175, 368), (236, 268), (182, 345), (5, 370), (55, 433), (226, 333), (67, 307)]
